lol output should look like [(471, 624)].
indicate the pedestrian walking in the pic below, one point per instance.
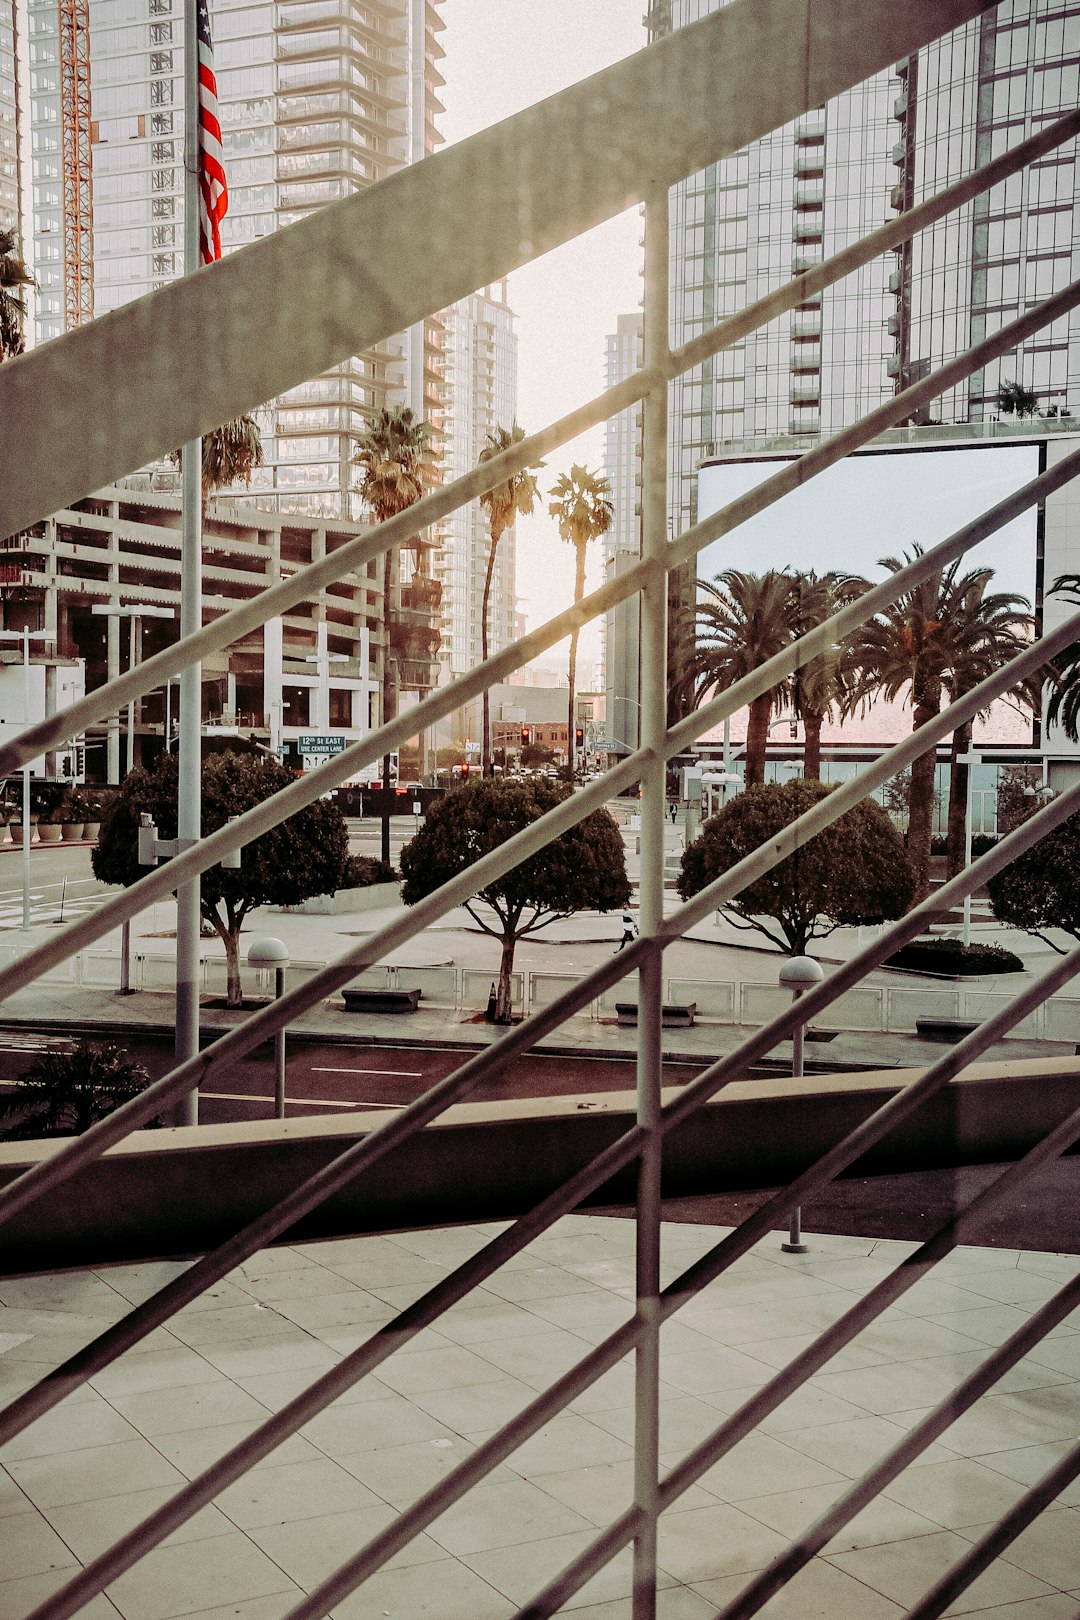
[(629, 931), (672, 808)]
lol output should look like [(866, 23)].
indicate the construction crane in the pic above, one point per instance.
[(76, 155)]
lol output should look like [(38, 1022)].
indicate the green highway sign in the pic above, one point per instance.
[(331, 744)]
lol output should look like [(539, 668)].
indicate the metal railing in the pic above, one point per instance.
[(803, 45)]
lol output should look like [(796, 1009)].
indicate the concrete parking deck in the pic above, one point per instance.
[(116, 1450)]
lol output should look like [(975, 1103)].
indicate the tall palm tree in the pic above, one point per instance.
[(583, 509), (392, 457), (933, 640), (742, 620), (503, 505), (1063, 708), (14, 275), (990, 630), (824, 684), (230, 454)]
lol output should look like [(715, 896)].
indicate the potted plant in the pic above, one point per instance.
[(93, 818), (51, 825), (17, 827), (73, 826)]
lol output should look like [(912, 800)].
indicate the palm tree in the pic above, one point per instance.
[(230, 454), (583, 508), (990, 630), (1063, 708), (503, 505), (13, 276), (743, 620), (391, 456), (935, 638), (824, 684)]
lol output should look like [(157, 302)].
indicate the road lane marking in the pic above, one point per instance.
[(299, 1102), (404, 1074)]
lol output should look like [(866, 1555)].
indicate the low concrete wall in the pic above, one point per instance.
[(176, 1192), (372, 898)]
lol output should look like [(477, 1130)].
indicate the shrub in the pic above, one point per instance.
[(63, 1093), (951, 956), (361, 872)]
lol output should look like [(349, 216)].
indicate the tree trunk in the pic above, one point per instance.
[(921, 813), (231, 939), (504, 1001), (958, 794), (757, 736), (389, 694), (485, 756), (579, 592), (812, 724)]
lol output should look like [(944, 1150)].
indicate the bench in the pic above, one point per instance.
[(945, 1031), (676, 1015), (381, 1001)]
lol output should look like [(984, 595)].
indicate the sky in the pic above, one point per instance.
[(502, 55)]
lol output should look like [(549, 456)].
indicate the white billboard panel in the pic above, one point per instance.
[(880, 504)]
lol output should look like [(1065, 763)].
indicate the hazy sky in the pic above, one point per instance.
[(502, 55)]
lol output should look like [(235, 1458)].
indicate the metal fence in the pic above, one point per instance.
[(540, 179)]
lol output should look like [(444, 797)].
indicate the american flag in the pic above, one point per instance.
[(213, 192)]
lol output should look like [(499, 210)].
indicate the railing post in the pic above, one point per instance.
[(651, 907)]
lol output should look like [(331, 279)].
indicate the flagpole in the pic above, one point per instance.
[(189, 745)]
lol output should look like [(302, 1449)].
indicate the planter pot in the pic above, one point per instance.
[(50, 832), (17, 832), (73, 832), (91, 830)]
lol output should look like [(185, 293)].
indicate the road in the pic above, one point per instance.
[(324, 1077)]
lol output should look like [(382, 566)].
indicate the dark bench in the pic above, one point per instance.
[(381, 1001), (672, 1016), (945, 1031)]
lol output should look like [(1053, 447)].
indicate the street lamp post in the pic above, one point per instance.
[(26, 637), (133, 613), (970, 760), (798, 974), (274, 953)]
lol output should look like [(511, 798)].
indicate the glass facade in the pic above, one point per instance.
[(480, 394), (804, 192), (9, 121), (316, 101)]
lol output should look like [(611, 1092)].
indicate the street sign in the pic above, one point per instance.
[(333, 743)]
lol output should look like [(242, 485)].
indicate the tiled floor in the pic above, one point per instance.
[(111, 1454)]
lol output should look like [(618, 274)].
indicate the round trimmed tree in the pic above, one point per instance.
[(1040, 889), (295, 860), (582, 870), (854, 872)]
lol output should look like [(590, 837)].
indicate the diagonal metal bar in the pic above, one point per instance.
[(890, 235), (258, 1234), (158, 884), (276, 600), (930, 1428), (50, 1173), (618, 1153), (362, 269), (237, 1042), (389, 1338), (790, 1378), (1000, 1536), (883, 416)]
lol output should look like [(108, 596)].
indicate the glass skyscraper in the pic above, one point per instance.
[(317, 99), (9, 121), (804, 192)]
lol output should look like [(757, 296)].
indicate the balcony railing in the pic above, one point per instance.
[(541, 178)]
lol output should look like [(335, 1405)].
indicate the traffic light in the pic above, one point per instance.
[(465, 770), (524, 736), (579, 736)]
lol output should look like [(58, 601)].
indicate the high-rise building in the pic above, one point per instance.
[(316, 101), (10, 209), (622, 542), (480, 395), (807, 190)]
